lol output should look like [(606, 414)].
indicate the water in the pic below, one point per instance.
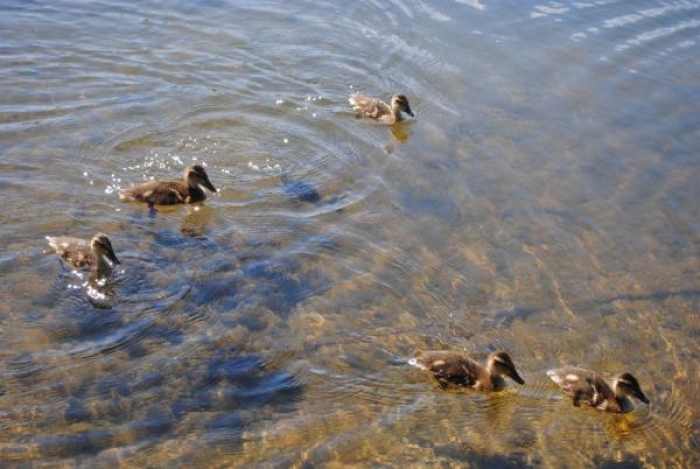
[(544, 201)]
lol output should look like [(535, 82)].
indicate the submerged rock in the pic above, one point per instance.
[(300, 191)]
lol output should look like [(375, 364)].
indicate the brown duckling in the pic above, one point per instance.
[(458, 369), (172, 192), (589, 388), (96, 253), (380, 111)]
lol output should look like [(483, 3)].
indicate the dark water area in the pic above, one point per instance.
[(544, 200)]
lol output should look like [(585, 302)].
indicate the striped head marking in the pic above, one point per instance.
[(501, 363)]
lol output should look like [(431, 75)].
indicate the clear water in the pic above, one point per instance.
[(545, 201)]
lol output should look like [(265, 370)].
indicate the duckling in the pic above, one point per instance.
[(589, 388), (458, 369), (379, 110), (81, 253), (171, 192)]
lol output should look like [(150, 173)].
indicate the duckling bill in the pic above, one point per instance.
[(374, 108), (589, 388), (172, 192), (96, 253), (458, 369)]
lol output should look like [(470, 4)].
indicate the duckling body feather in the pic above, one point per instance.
[(172, 192), (82, 253), (455, 368), (374, 108), (164, 193), (590, 388), (75, 251)]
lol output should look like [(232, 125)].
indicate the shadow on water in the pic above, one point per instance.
[(226, 389), (257, 276), (458, 452), (462, 453), (629, 462), (141, 376)]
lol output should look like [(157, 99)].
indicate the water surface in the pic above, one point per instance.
[(544, 201)]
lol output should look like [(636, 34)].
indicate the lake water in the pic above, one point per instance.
[(545, 200)]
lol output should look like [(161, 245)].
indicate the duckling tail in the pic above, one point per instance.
[(414, 362)]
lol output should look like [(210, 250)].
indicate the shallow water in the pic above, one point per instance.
[(544, 201)]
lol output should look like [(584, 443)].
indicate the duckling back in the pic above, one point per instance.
[(75, 251), (585, 387), (172, 192), (372, 108), (97, 253), (452, 368), (380, 111), (162, 193)]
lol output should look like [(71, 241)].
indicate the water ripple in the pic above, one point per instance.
[(521, 210)]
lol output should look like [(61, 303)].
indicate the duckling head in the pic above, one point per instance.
[(197, 176), (399, 103), (102, 247), (627, 385), (500, 364)]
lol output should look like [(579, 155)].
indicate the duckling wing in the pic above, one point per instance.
[(584, 386), (572, 381), (370, 107), (449, 367), (75, 251), (156, 193)]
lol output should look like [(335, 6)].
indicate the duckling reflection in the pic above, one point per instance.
[(589, 388), (172, 192), (456, 368), (399, 133), (195, 223), (374, 108), (96, 253)]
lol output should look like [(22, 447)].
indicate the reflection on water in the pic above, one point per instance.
[(543, 201)]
